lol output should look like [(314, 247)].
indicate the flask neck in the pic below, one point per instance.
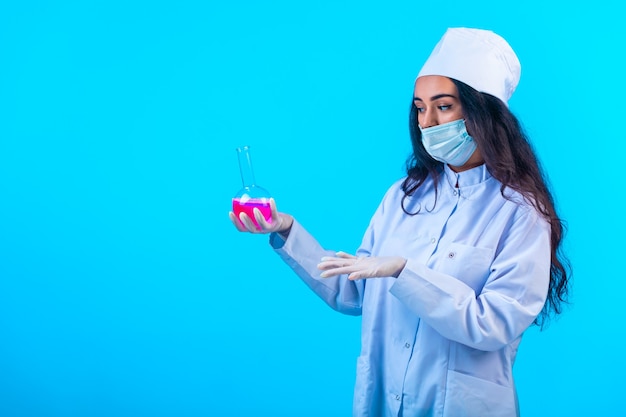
[(245, 166)]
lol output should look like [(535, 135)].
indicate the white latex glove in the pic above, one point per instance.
[(361, 267), (281, 222)]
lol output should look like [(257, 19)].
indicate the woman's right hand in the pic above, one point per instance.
[(280, 222)]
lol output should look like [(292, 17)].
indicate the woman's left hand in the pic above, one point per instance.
[(361, 267)]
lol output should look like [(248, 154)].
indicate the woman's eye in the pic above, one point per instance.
[(420, 109), (444, 107)]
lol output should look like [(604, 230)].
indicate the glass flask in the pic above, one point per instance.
[(251, 196)]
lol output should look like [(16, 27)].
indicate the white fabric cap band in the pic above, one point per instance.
[(479, 58)]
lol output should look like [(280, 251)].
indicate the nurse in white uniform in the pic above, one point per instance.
[(461, 256)]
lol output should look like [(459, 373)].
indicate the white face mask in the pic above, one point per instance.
[(449, 143)]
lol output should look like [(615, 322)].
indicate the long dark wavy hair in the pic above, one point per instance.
[(510, 159)]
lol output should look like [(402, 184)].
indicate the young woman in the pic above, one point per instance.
[(461, 256)]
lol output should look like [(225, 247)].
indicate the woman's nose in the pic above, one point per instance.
[(429, 119)]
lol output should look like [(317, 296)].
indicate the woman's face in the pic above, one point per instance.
[(437, 101)]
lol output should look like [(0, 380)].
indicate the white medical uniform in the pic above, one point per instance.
[(441, 338)]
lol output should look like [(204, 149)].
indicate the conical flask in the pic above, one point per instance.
[(251, 196)]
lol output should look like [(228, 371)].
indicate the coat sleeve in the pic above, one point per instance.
[(302, 253), (512, 297)]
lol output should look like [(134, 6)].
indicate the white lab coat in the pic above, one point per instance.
[(441, 339)]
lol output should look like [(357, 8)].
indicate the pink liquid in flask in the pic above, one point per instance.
[(248, 205)]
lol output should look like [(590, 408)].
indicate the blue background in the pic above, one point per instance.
[(125, 290)]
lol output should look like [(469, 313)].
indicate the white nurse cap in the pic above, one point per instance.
[(479, 58)]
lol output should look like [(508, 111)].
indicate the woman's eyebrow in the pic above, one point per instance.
[(436, 97)]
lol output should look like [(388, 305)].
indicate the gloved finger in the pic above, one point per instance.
[(260, 219), (361, 274), (273, 210), (247, 221), (328, 262), (339, 271), (345, 255), (236, 222), (336, 266)]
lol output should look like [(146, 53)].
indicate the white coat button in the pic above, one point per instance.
[(455, 193), (451, 255), (397, 397), (407, 345), (432, 240)]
